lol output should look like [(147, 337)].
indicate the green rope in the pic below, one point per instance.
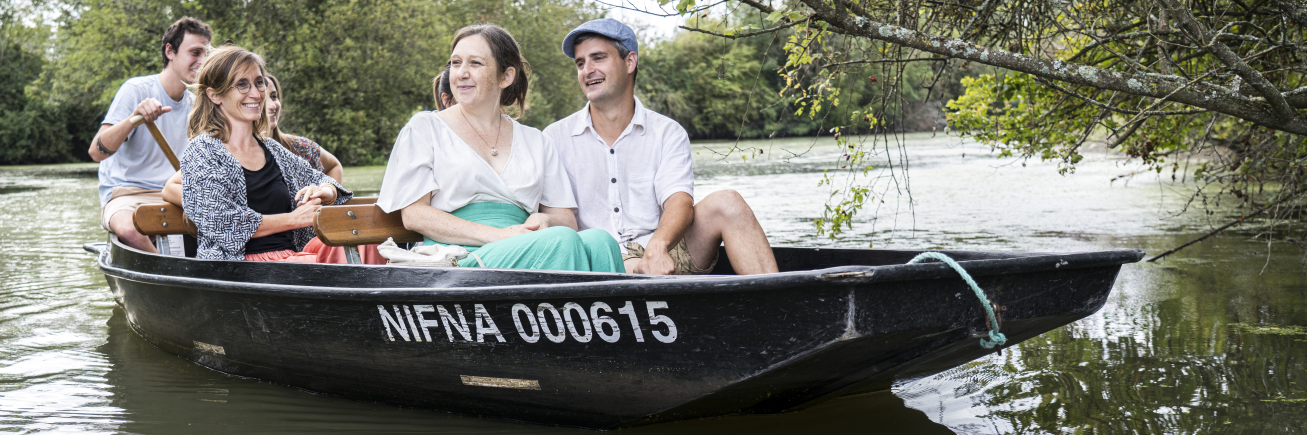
[(995, 338)]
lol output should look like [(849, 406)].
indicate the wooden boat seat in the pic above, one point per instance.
[(162, 220), (353, 225), (167, 219)]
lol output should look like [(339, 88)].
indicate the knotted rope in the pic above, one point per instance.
[(995, 338)]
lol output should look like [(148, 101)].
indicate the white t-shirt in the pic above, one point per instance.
[(622, 189), (429, 158), (139, 162)]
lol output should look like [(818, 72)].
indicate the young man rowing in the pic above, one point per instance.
[(632, 173), (132, 167)]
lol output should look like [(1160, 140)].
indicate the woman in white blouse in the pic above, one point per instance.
[(472, 176)]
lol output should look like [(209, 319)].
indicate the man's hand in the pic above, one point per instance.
[(655, 262), (150, 109), (537, 221), (514, 230)]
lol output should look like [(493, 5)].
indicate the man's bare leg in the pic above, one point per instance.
[(121, 225), (723, 216)]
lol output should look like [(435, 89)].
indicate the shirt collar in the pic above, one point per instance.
[(587, 122)]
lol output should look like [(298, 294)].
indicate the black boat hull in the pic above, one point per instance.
[(563, 348)]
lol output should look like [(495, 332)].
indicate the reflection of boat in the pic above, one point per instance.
[(599, 350)]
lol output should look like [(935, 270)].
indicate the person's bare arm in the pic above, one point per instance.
[(331, 166), (678, 214), (443, 227), (172, 190), (551, 217), (111, 136)]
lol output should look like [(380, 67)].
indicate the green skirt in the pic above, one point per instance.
[(553, 248)]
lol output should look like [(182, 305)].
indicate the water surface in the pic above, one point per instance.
[(1199, 343)]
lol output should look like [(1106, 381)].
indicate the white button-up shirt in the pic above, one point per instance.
[(621, 189), (429, 158)]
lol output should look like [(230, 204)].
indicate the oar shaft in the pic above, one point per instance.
[(137, 120)]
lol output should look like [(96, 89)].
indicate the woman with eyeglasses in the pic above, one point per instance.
[(250, 198)]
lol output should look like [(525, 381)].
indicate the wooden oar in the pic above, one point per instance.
[(158, 138)]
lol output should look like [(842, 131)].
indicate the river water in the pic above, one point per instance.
[(1213, 339)]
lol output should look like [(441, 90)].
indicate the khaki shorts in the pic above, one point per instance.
[(127, 199), (680, 257)]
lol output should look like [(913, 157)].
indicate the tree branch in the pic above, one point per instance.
[(1294, 9), (1200, 94), (758, 6), (1093, 102), (856, 62), (746, 35), (1224, 227), (1232, 60)]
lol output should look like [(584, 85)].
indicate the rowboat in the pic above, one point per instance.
[(594, 350)]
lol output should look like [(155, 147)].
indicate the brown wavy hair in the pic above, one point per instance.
[(219, 73), (507, 54), (274, 131), (440, 86)]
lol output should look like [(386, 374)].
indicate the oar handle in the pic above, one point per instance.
[(137, 120)]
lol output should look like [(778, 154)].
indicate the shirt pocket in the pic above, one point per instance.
[(642, 207)]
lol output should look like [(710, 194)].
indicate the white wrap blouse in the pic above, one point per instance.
[(429, 158)]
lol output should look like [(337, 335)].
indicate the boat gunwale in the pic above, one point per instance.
[(836, 277)]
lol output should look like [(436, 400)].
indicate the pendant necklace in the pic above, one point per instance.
[(494, 147)]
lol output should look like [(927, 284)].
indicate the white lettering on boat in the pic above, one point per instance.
[(486, 325), (448, 321), (409, 315), (544, 322), (552, 322), (423, 322), (388, 322), (602, 321), (518, 311), (568, 309)]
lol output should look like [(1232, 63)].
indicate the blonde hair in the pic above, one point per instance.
[(219, 73)]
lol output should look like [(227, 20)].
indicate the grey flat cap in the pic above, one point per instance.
[(604, 26)]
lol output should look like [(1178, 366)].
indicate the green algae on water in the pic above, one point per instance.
[(1269, 329)]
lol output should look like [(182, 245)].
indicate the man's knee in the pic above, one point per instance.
[(122, 225), (727, 204)]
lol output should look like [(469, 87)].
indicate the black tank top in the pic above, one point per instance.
[(266, 193)]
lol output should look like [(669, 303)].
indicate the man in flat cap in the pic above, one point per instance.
[(632, 173)]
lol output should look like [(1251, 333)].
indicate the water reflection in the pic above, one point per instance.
[(1198, 343)]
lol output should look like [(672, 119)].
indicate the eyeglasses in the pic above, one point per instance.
[(243, 86)]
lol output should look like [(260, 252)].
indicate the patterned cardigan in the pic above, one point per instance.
[(214, 196)]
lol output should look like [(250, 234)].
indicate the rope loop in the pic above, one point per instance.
[(995, 338)]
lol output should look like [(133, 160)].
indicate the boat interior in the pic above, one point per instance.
[(361, 222)]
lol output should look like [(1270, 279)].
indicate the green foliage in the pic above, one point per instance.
[(1005, 111), (752, 87), (353, 71), (31, 129)]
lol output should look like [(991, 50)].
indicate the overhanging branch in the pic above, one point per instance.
[(1201, 94), (1229, 58)]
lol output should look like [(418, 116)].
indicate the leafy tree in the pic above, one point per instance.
[(354, 71), (31, 129), (1157, 79), (732, 87)]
